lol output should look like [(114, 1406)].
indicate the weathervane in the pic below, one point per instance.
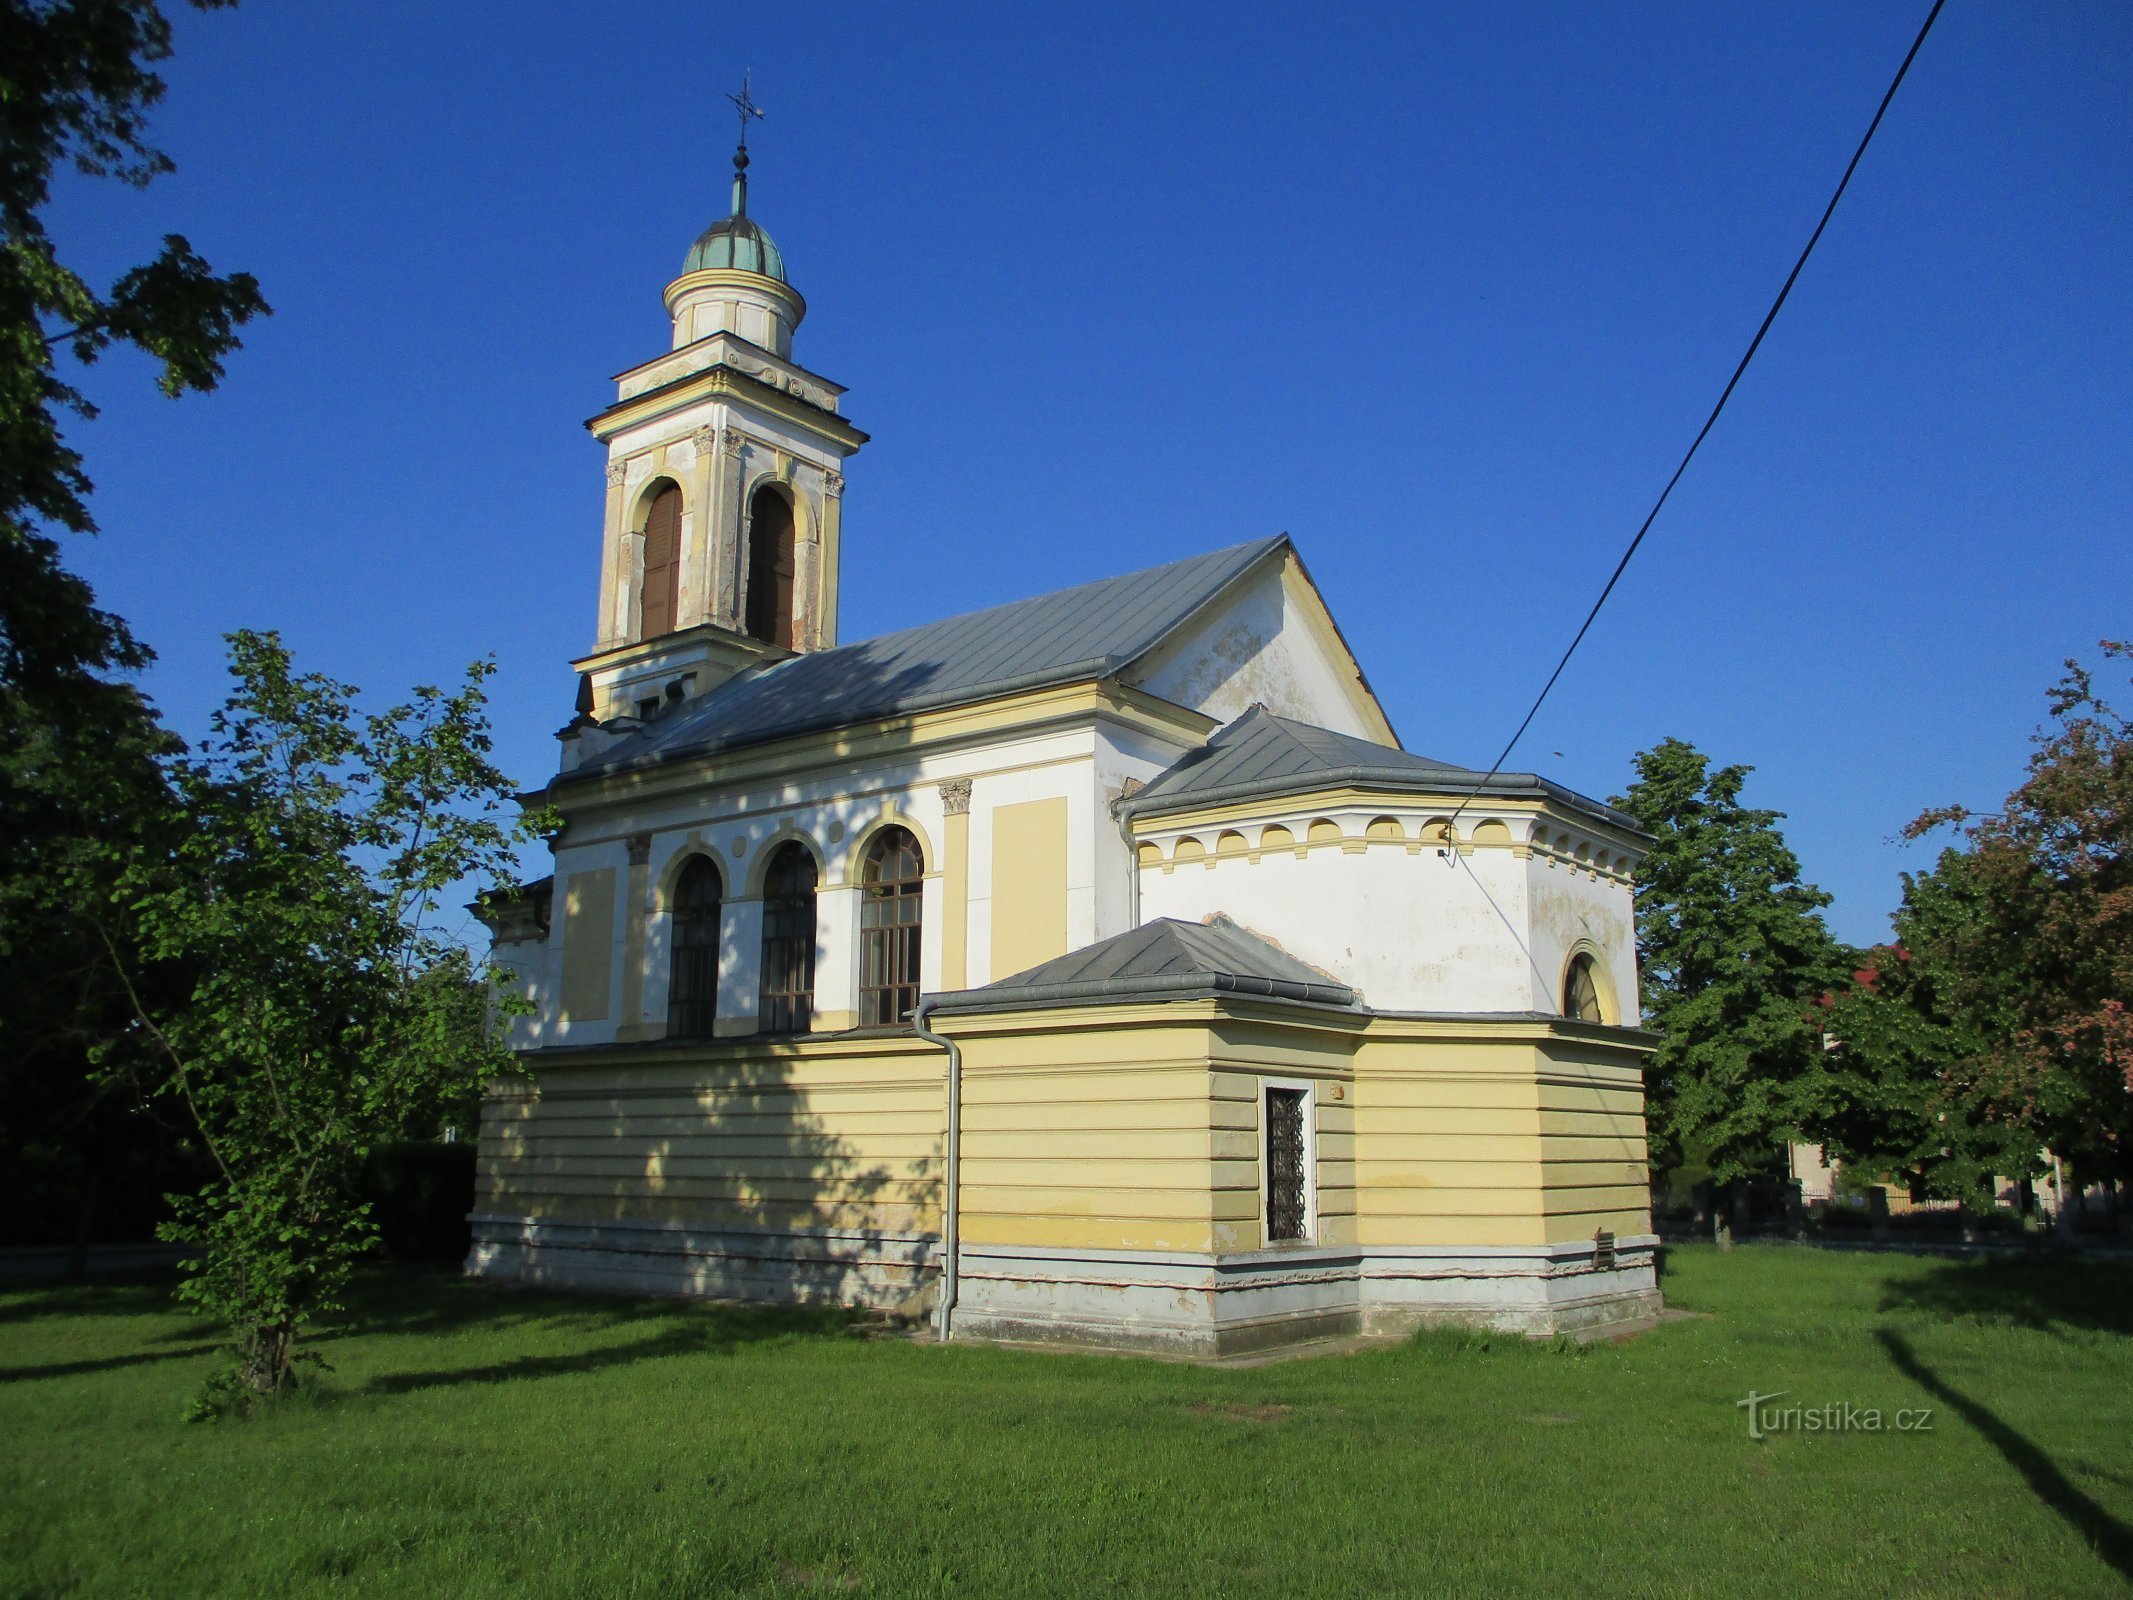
[(748, 109)]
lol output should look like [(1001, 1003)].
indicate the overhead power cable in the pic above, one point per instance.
[(1709, 422)]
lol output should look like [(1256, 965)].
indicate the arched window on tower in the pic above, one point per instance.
[(1581, 990), (771, 566), (889, 926), (789, 941), (662, 563), (692, 984)]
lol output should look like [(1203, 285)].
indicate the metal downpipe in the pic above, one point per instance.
[(945, 1313)]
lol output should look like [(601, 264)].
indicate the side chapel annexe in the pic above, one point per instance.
[(1243, 1025)]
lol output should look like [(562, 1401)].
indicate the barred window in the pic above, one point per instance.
[(889, 927), (1288, 1157), (692, 984), (789, 941)]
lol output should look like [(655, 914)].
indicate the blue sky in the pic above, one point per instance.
[(1442, 292)]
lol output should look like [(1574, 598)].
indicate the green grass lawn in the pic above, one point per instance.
[(477, 1441)]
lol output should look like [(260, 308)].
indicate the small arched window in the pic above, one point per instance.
[(662, 562), (692, 986), (770, 566), (789, 941), (893, 882), (1581, 990)]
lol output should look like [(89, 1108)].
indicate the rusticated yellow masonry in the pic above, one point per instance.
[(839, 1132), (1116, 1127), (1511, 1133), (1135, 1127)]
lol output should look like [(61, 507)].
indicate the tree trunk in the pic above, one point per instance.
[(268, 1355), (84, 1229)]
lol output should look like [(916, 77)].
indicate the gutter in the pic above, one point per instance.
[(1156, 987), (950, 1196), (1154, 804)]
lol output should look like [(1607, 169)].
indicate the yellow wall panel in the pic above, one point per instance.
[(1029, 884), (588, 944)]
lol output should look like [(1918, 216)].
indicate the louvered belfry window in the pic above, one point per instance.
[(662, 562), (770, 567), (1287, 1197), (692, 985), (889, 925), (789, 941)]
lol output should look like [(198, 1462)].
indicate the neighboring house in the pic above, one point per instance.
[(1246, 1025)]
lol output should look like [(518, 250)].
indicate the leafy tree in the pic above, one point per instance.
[(79, 746), (2016, 1035), (77, 83), (324, 1010), (1734, 953)]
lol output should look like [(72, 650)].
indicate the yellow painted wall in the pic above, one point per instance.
[(1504, 1140), (955, 893), (1103, 1129), (588, 944), (836, 1134), (1593, 1144), (1029, 884), (1107, 1128)]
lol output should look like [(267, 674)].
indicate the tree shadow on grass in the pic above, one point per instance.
[(2111, 1539), (75, 1369), (146, 1295), (2046, 1296), (701, 1331)]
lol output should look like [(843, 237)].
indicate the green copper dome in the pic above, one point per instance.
[(738, 244)]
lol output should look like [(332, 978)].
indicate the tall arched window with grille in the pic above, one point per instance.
[(692, 982), (1581, 990), (771, 566), (789, 941), (662, 563), (892, 883)]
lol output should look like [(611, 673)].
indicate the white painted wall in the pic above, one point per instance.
[(1271, 644), (835, 809), (1407, 924)]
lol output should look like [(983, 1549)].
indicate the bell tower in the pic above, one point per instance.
[(725, 483)]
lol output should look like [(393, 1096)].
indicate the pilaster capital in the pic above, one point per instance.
[(640, 847), (955, 796), (616, 472), (734, 444), (833, 485)]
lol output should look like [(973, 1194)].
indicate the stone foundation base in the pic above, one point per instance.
[(888, 1272), (1181, 1304), (1197, 1305)]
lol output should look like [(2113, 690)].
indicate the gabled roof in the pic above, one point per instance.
[(1161, 960), (1261, 755), (1094, 630)]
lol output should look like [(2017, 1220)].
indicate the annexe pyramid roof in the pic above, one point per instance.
[(1160, 960)]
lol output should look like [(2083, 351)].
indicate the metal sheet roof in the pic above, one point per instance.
[(1262, 755), (1089, 631), (1160, 960)]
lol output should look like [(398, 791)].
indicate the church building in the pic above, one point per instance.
[(1094, 968)]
